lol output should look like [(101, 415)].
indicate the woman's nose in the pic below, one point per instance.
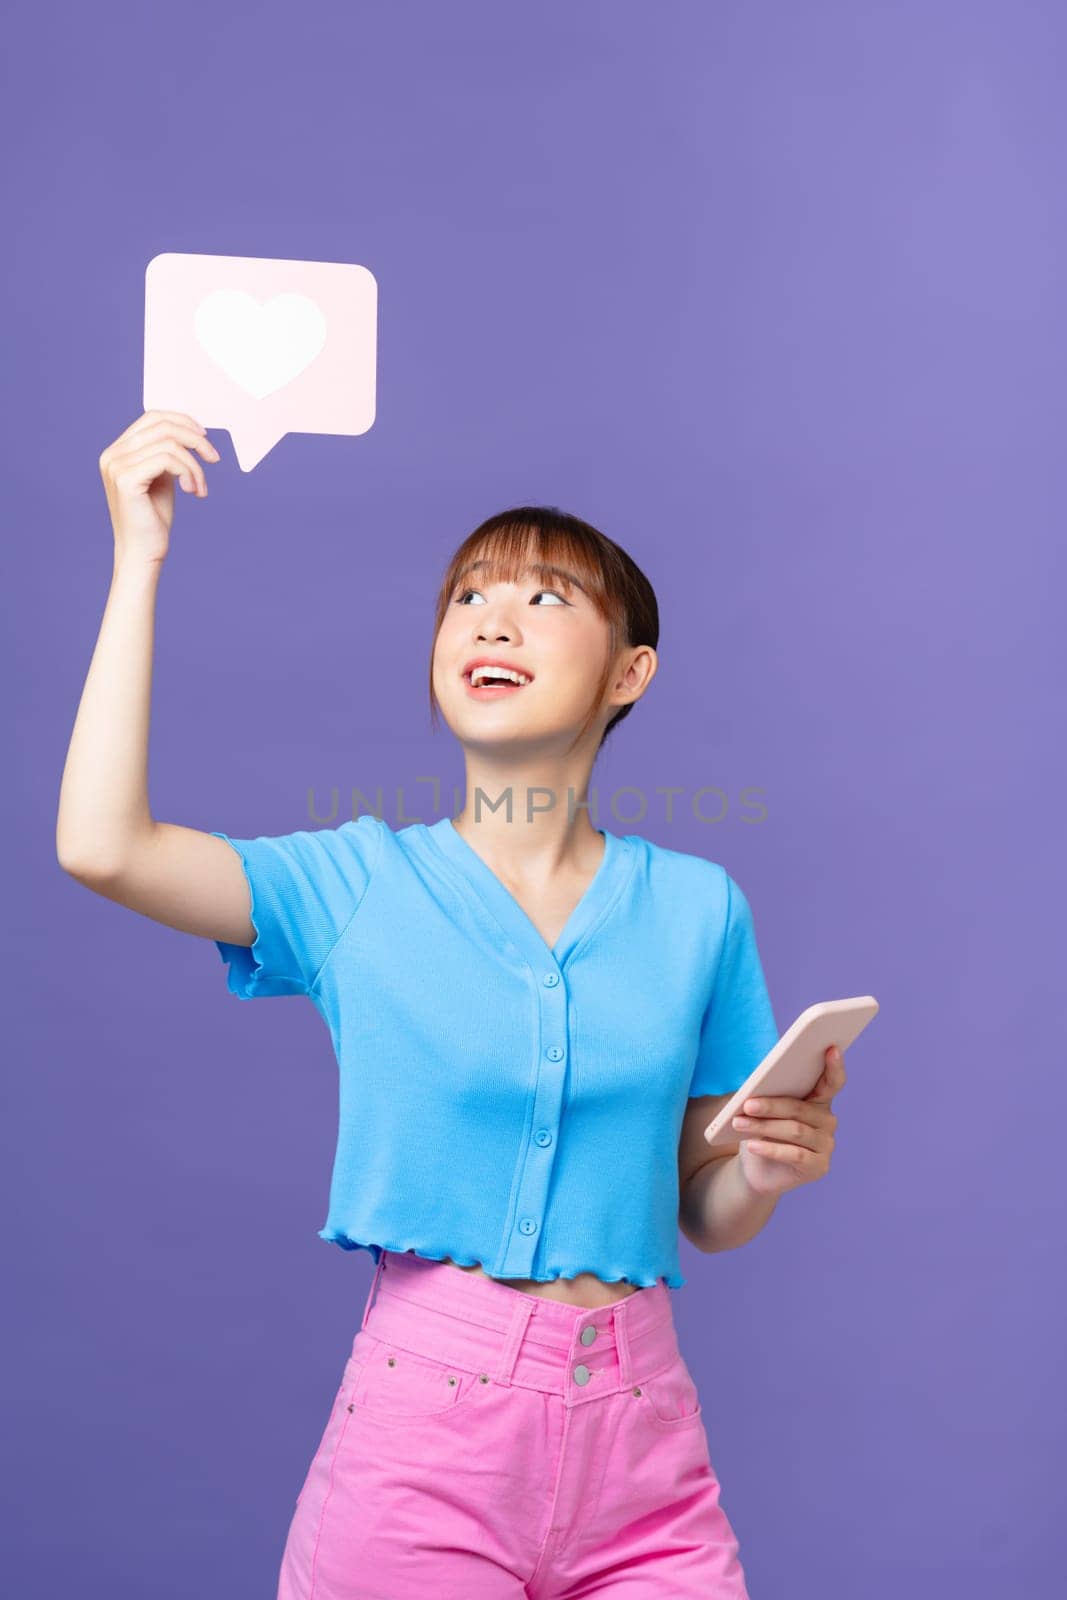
[(494, 627)]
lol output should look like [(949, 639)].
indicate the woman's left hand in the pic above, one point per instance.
[(794, 1139)]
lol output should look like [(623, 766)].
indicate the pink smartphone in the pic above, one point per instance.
[(794, 1065)]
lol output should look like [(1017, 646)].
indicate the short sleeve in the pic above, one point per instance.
[(738, 1027), (304, 889)]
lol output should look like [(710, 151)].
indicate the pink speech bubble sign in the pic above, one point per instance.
[(261, 347)]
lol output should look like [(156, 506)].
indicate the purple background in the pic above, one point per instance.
[(772, 294)]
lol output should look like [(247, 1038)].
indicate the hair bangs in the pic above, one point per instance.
[(515, 549)]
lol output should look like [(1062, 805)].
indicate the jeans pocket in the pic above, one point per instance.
[(672, 1396), (399, 1385)]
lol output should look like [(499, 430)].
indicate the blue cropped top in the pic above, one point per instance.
[(502, 1102)]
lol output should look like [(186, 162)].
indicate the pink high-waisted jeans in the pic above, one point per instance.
[(488, 1444)]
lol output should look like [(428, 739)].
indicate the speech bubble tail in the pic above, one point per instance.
[(250, 446)]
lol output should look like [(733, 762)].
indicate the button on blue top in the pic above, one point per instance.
[(434, 986)]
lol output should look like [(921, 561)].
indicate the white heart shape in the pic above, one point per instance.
[(260, 345)]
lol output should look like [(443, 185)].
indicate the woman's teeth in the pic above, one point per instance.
[(487, 677)]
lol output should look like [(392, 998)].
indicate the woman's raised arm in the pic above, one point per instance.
[(106, 836)]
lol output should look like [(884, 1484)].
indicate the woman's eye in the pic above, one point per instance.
[(462, 599)]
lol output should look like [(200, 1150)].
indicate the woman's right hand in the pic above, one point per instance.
[(139, 469)]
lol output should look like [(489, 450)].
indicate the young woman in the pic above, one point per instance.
[(534, 1020)]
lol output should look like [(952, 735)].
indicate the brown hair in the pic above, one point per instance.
[(551, 539)]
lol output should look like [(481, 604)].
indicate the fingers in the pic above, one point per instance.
[(787, 1105), (156, 444), (187, 432), (794, 1154), (796, 1133), (204, 446), (176, 458), (787, 1130)]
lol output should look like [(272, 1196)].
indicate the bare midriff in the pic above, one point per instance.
[(585, 1290)]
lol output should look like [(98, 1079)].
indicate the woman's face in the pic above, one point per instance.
[(546, 629)]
